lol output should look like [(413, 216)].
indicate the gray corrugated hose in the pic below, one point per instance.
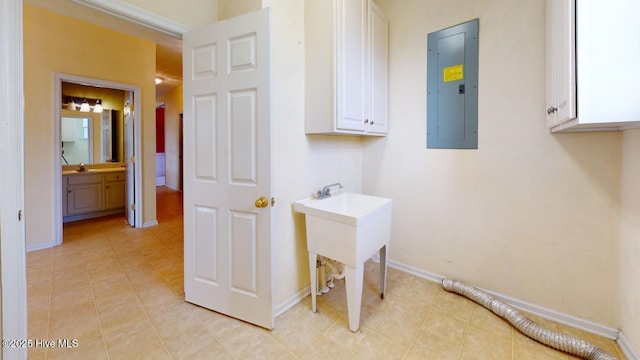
[(559, 341)]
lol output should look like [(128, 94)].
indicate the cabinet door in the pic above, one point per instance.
[(114, 195), (351, 64), (561, 61), (84, 198), (379, 63)]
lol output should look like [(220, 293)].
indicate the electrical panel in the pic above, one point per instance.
[(452, 87)]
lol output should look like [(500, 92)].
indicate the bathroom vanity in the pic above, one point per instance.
[(93, 193)]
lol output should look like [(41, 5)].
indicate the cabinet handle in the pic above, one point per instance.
[(551, 110), (69, 191), (106, 187), (366, 121), (371, 122)]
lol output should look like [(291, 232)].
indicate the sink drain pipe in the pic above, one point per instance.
[(557, 340)]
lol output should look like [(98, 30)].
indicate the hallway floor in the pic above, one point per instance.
[(119, 292)]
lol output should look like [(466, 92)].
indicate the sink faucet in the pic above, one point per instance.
[(81, 168), (326, 191)]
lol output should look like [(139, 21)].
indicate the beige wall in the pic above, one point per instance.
[(172, 110), (54, 43), (192, 13), (529, 214), (301, 164), (630, 238), (230, 8)]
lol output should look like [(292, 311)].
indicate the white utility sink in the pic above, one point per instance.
[(350, 228)]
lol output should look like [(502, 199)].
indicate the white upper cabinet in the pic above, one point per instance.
[(346, 68), (592, 65)]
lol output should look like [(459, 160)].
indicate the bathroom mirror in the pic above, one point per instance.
[(90, 137), (77, 136)]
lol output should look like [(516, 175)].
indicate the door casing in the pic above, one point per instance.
[(59, 78)]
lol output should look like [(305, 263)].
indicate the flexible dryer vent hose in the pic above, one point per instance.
[(559, 341)]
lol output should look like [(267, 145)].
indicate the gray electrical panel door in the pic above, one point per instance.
[(452, 87)]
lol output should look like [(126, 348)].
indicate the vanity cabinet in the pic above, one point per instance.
[(84, 194), (592, 66), (114, 190), (346, 68), (88, 195)]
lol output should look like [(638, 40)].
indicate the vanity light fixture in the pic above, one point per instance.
[(98, 107), (85, 106)]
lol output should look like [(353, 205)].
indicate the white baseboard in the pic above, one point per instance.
[(41, 246), (626, 347), (292, 301), (569, 320), (150, 223), (530, 308)]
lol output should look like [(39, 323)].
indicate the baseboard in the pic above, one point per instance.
[(41, 246), (626, 347), (150, 223), (569, 320), (292, 301)]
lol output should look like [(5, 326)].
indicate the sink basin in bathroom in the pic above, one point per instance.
[(349, 228)]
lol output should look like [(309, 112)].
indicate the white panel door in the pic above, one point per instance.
[(227, 168), (129, 156)]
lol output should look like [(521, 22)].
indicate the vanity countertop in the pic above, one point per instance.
[(92, 171)]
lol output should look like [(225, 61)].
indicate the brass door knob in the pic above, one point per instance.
[(262, 202)]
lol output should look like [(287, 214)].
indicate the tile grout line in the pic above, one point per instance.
[(95, 305), (46, 351), (144, 310), (415, 337), (466, 329)]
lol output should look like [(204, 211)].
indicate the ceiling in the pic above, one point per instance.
[(168, 48)]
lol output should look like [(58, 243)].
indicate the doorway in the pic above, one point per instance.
[(131, 146)]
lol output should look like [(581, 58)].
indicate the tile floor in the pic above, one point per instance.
[(119, 292)]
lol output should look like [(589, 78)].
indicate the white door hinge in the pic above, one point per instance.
[(133, 207), (133, 159)]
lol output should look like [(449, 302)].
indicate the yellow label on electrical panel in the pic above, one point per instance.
[(452, 73)]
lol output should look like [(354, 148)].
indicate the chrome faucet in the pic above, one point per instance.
[(81, 168), (326, 191)]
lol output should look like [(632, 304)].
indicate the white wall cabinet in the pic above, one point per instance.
[(346, 68), (90, 195), (592, 68)]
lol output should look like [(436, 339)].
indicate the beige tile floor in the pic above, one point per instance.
[(119, 292)]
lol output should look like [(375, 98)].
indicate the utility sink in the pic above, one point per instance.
[(350, 228)]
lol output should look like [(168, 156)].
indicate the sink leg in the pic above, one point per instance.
[(354, 278), (312, 273), (383, 270)]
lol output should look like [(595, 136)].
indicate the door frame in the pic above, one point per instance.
[(12, 229), (58, 79), (14, 280)]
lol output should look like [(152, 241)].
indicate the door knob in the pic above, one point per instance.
[(262, 202)]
